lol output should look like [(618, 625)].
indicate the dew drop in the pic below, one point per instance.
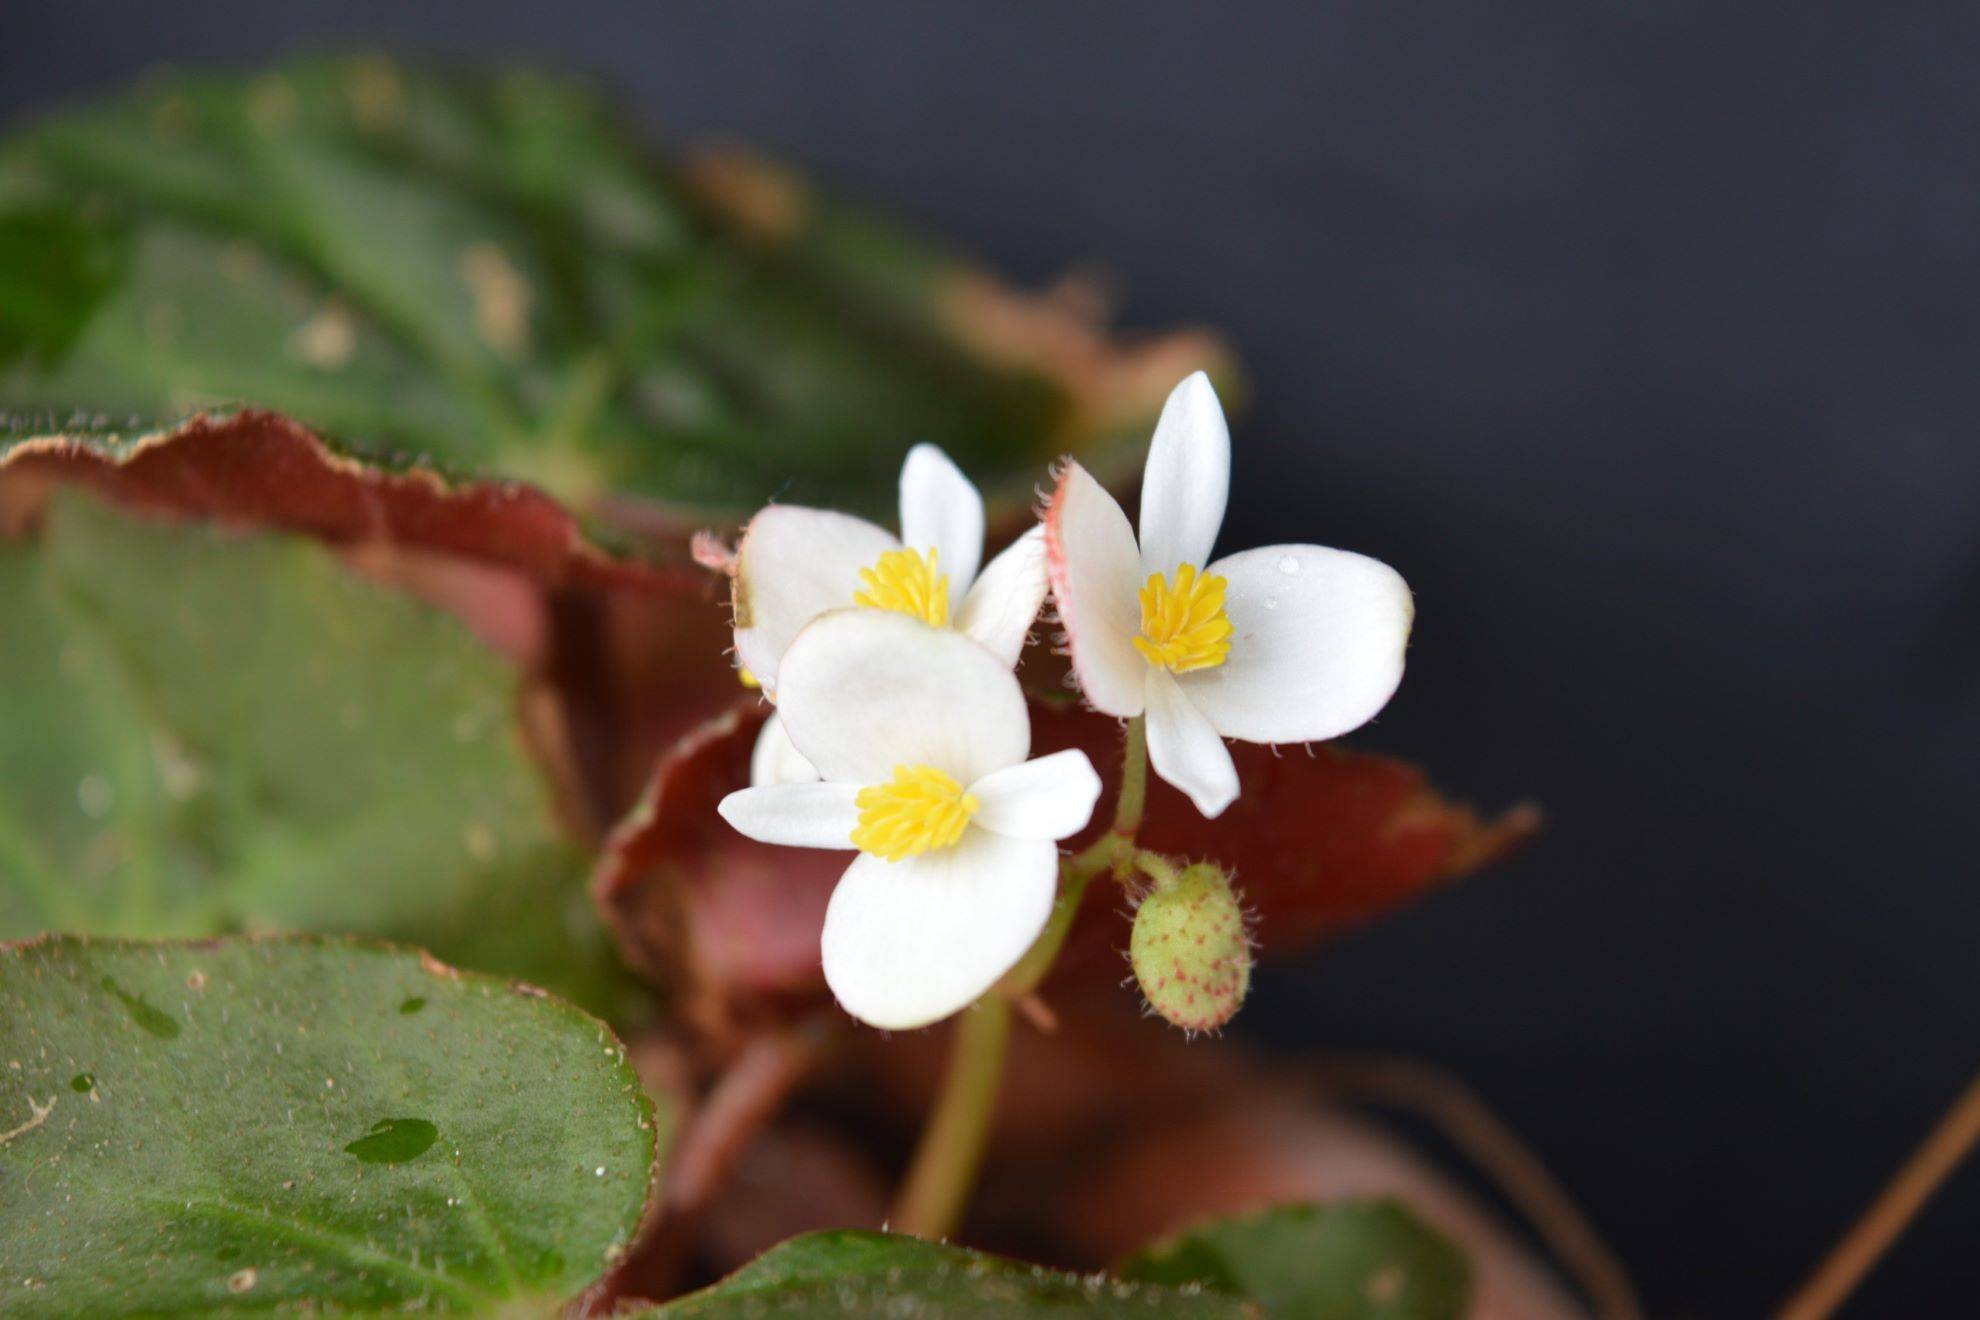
[(82, 1083), (1288, 565), (412, 1005), (1270, 602), (599, 1171)]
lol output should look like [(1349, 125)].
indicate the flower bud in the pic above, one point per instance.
[(1190, 951)]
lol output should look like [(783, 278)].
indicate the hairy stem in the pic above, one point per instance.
[(1871, 1236), (951, 1151)]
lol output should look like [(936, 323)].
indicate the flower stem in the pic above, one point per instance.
[(946, 1162), (1902, 1198), (950, 1152)]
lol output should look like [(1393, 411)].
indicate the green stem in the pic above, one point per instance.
[(946, 1162), (950, 1153)]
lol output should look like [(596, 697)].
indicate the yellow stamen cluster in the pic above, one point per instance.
[(905, 581), (1183, 626), (747, 679), (921, 808)]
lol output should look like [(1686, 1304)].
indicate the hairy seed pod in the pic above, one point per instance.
[(1190, 951)]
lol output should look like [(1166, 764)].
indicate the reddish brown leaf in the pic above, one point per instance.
[(1318, 843), (261, 469)]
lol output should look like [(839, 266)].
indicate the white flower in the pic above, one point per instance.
[(1283, 644), (795, 563), (920, 735)]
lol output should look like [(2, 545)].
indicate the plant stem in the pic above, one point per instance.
[(1943, 1148), (950, 1152), (946, 1162)]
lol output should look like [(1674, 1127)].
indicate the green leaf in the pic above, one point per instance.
[(1370, 1260), (209, 732), (243, 1125), (488, 271), (856, 1273)]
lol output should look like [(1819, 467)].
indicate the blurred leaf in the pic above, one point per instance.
[(488, 271), (210, 733), (1354, 1261), (306, 1124), (851, 1273)]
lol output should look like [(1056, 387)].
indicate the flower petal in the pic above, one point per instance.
[(908, 943), (1049, 798), (1096, 576), (1184, 747), (1317, 648), (942, 511), (1187, 480), (1000, 608), (865, 691), (776, 760), (793, 565), (795, 815)]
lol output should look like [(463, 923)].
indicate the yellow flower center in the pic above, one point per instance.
[(922, 808), (1183, 626), (905, 581)]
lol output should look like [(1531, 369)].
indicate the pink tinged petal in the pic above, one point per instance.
[(908, 943), (942, 511), (1096, 577), (775, 759), (1184, 748), (864, 691), (1050, 798), (1000, 609), (794, 815), (1187, 480), (1317, 647), (793, 565)]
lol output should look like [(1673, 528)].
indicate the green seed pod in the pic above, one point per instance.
[(1190, 951)]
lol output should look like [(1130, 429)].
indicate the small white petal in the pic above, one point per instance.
[(865, 691), (908, 943), (776, 760), (795, 815), (793, 565), (1049, 798), (1096, 579), (942, 511), (1187, 480), (1317, 647), (1184, 747), (1000, 608)]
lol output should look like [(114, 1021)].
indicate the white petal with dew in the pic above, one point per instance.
[(1049, 798), (865, 691), (1187, 480), (793, 565), (908, 943), (775, 759), (1183, 747), (1317, 647), (942, 511), (1000, 609), (795, 815), (1096, 579)]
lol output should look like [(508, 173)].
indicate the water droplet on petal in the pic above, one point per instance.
[(1288, 564), (1270, 602)]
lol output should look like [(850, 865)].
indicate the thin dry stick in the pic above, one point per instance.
[(1502, 1156), (1871, 1236), (746, 1097)]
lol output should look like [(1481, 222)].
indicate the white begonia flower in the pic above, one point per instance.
[(1282, 644), (919, 736), (795, 563)]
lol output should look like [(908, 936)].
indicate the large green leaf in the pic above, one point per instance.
[(1354, 1261), (302, 1123), (487, 270), (858, 1274), (208, 732)]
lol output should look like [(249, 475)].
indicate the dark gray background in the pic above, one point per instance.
[(1642, 339)]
